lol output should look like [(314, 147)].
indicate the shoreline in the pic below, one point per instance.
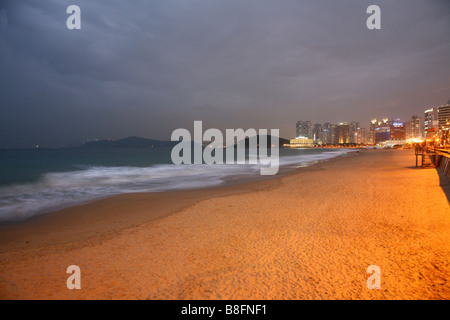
[(227, 180), (310, 234), (23, 234)]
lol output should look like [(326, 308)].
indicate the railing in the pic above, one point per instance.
[(443, 152), (427, 154), (432, 157)]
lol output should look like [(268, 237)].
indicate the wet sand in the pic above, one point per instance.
[(308, 235)]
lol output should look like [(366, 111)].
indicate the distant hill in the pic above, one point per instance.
[(137, 142), (130, 142), (268, 138)]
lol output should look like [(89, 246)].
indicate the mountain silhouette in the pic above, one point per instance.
[(130, 142)]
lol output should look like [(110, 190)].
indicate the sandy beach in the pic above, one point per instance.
[(308, 235)]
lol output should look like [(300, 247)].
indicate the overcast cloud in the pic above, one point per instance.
[(145, 68)]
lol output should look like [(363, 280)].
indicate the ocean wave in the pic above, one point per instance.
[(57, 190)]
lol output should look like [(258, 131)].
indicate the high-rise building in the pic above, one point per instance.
[(397, 132), (413, 128), (298, 127), (372, 128), (444, 116), (334, 134), (317, 129), (327, 133), (416, 127), (361, 136), (304, 129), (344, 133), (409, 130), (353, 129), (430, 122), (382, 134)]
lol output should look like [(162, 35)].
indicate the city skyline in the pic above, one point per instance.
[(433, 126), (148, 68), (420, 121)]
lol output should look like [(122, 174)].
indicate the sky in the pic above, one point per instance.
[(146, 68)]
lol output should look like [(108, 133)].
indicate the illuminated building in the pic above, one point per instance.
[(416, 127), (344, 133), (374, 125), (334, 134), (372, 128), (353, 131), (361, 136), (444, 115), (317, 129), (444, 123), (327, 133), (397, 132), (304, 129), (382, 134), (430, 122), (413, 128), (301, 142)]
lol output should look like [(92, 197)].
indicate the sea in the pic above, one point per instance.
[(38, 181)]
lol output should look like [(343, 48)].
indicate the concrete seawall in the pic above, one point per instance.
[(443, 163)]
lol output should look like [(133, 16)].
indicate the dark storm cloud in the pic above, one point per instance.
[(147, 67)]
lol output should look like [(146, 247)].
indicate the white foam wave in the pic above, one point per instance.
[(62, 189)]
